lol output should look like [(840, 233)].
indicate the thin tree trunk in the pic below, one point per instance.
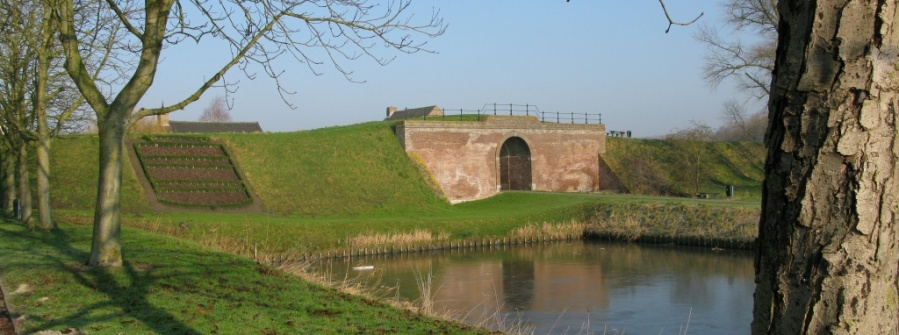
[(828, 252), (9, 180), (44, 56), (43, 181), (24, 187), (106, 249)]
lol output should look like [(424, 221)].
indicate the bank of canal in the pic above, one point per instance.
[(711, 226)]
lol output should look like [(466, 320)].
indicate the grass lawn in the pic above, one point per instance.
[(293, 235), (174, 286)]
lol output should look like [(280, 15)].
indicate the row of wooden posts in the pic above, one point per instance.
[(710, 242)]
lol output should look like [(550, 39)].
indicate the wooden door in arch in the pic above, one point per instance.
[(515, 165)]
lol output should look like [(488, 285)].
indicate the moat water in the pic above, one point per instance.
[(575, 287)]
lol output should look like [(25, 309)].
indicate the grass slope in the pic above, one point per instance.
[(173, 286), (340, 170), (740, 164)]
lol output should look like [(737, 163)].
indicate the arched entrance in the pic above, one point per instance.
[(515, 165)]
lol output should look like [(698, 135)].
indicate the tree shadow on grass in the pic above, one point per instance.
[(126, 289)]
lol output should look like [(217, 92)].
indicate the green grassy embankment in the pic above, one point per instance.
[(648, 167), (174, 286), (350, 170)]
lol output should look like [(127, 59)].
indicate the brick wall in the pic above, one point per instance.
[(464, 156)]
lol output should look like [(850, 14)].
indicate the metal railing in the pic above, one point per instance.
[(514, 109)]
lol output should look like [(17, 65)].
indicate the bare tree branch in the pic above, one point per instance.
[(672, 22), (749, 64)]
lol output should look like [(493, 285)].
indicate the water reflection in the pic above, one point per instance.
[(571, 287)]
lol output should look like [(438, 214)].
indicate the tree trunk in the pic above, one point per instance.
[(24, 185), (44, 57), (106, 249), (828, 252), (43, 181), (9, 180)]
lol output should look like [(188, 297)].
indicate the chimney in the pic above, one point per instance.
[(390, 111), (162, 120)]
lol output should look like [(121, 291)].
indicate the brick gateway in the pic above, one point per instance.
[(474, 160)]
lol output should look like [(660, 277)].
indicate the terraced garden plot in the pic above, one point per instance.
[(191, 171)]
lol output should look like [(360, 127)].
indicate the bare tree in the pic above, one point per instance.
[(749, 63), (828, 252), (645, 175), (36, 85), (690, 149), (740, 125), (217, 111), (17, 69), (257, 32)]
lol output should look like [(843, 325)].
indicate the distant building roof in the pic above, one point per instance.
[(393, 114), (213, 127)]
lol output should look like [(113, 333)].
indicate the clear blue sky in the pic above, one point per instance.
[(596, 56)]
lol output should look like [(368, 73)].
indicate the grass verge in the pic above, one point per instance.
[(173, 286), (509, 216), (707, 226)]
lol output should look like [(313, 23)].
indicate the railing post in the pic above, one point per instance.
[(572, 117), (510, 109), (557, 118), (494, 108)]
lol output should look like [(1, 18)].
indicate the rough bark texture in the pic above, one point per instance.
[(827, 261)]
